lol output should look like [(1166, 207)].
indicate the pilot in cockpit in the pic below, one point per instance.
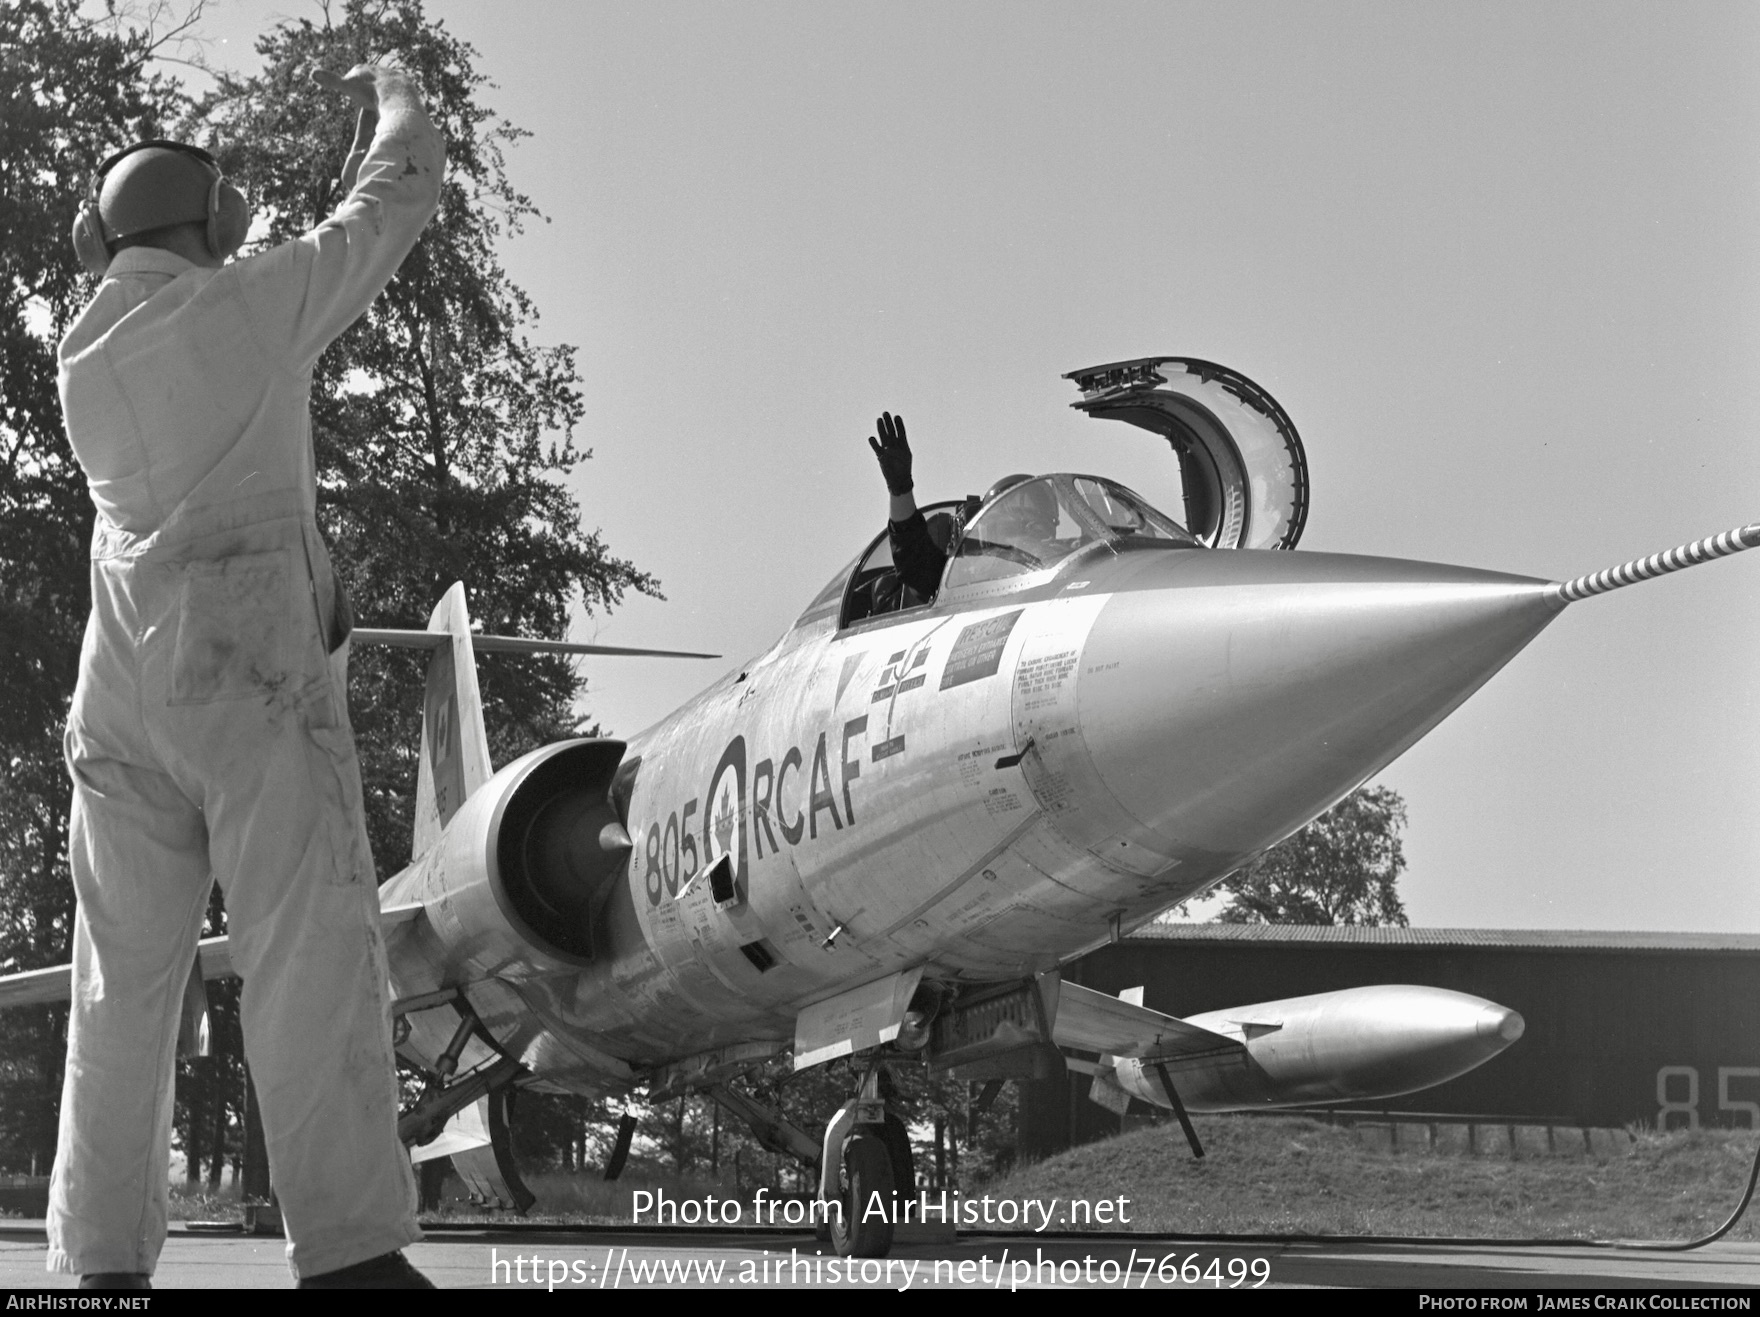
[(1021, 527), (1023, 520), (919, 550)]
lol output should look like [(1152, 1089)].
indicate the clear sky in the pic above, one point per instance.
[(1497, 261)]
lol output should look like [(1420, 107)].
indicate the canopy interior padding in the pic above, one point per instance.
[(1240, 459)]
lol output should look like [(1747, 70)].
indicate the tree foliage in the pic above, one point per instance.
[(1340, 869), (690, 1140), (442, 431)]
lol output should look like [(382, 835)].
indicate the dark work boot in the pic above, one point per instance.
[(114, 1280), (388, 1271)]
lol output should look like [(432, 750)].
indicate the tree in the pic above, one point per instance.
[(208, 1116), (1340, 869), (442, 432), (562, 1131), (72, 89)]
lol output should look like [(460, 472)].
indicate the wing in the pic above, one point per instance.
[(37, 986), (1091, 1021)]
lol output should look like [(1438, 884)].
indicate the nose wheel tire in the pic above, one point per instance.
[(867, 1171)]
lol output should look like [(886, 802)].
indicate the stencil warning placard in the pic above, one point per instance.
[(977, 653)]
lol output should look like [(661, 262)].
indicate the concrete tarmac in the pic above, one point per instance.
[(489, 1258)]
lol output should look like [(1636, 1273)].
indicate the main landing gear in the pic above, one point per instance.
[(866, 1172), (490, 1172)]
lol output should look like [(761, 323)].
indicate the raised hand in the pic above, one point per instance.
[(367, 86), (894, 453)]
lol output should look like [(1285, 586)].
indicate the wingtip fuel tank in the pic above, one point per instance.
[(1356, 1045)]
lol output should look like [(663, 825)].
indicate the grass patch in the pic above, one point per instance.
[(1299, 1176), (199, 1203)]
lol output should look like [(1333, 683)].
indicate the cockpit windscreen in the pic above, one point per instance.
[(1038, 523), (1026, 529)]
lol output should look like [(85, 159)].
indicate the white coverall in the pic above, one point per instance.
[(209, 735)]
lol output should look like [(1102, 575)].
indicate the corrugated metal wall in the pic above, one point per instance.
[(1615, 1034)]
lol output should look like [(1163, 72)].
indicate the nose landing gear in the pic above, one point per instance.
[(866, 1171)]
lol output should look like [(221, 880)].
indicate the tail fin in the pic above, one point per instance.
[(455, 746)]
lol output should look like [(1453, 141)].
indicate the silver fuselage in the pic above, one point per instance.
[(989, 786)]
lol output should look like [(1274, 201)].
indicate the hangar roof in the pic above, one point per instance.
[(1547, 939)]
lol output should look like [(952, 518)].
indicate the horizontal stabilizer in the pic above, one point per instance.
[(1092, 1021), (367, 635), (39, 986)]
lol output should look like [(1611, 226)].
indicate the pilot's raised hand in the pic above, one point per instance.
[(894, 453)]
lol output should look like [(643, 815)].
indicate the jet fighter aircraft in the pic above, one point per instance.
[(884, 836)]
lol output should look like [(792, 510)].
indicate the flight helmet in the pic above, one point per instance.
[(1023, 507), (1007, 482)]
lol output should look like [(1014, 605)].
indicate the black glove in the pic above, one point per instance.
[(894, 453)]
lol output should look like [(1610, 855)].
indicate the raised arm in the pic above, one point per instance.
[(305, 292), (894, 454), (914, 554), (379, 93)]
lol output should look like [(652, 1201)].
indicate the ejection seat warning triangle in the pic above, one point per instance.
[(978, 651)]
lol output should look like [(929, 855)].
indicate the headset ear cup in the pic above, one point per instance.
[(229, 220), (88, 241)]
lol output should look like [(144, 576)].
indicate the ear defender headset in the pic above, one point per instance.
[(152, 185)]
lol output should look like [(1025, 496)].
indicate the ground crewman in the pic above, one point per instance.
[(209, 735)]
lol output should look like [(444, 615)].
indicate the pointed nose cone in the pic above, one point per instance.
[(1228, 697)]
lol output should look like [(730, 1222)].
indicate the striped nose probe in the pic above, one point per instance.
[(1657, 564)]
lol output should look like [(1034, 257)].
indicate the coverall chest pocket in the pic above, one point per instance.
[(234, 630)]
